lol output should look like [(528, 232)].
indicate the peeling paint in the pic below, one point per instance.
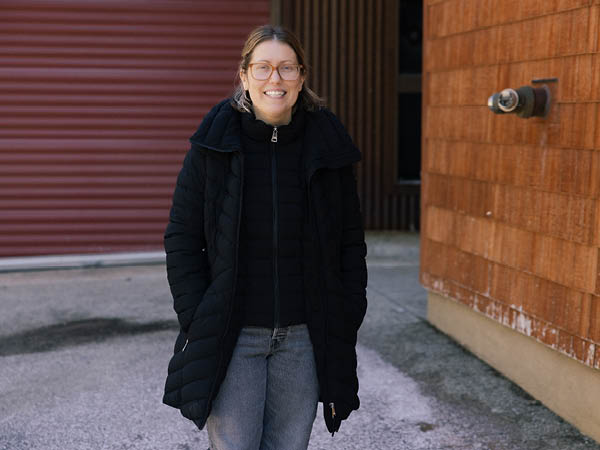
[(589, 357), (489, 277), (495, 311), (517, 307), (438, 285), (506, 317), (515, 317), (523, 324)]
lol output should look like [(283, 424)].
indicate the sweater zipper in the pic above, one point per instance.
[(275, 230)]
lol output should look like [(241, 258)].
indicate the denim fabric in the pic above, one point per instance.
[(268, 400)]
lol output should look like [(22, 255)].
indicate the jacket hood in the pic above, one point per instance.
[(326, 142)]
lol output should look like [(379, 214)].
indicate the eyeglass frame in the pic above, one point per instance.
[(299, 66)]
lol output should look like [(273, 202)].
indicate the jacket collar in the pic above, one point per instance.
[(326, 142), (259, 131), (220, 130)]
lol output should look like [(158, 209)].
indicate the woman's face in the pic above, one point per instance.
[(273, 98)]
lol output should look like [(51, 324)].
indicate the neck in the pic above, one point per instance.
[(275, 122)]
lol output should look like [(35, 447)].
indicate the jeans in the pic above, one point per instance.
[(268, 399)]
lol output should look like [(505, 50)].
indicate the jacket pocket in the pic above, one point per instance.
[(180, 342)]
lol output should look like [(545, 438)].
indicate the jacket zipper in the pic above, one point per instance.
[(332, 407), (325, 388), (276, 306)]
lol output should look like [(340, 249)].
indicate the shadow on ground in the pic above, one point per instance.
[(76, 332)]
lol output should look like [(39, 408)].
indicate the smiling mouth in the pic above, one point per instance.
[(275, 94)]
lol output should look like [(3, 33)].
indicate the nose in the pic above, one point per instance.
[(275, 73)]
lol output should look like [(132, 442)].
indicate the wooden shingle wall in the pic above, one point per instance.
[(511, 206)]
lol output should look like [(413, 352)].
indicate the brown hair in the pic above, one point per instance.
[(307, 98)]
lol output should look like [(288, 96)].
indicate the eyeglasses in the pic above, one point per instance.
[(262, 71)]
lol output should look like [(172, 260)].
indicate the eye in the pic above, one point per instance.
[(287, 68), (262, 67)]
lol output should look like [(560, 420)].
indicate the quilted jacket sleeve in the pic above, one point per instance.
[(354, 281), (185, 244), (353, 252)]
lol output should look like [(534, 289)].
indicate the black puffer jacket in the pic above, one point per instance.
[(201, 243), (273, 217)]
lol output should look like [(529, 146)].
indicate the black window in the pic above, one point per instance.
[(409, 90)]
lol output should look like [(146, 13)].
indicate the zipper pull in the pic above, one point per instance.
[(332, 406), (274, 137)]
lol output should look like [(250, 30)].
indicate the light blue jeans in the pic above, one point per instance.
[(268, 399)]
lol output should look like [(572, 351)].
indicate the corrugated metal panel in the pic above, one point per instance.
[(352, 49), (97, 100)]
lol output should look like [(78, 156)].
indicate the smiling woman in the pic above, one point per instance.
[(266, 260)]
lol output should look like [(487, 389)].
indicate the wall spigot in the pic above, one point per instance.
[(525, 101)]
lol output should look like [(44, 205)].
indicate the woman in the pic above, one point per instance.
[(266, 260)]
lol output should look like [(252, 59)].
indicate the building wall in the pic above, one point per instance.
[(511, 206), (352, 50), (98, 100)]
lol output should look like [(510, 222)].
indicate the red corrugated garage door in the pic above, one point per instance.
[(97, 100)]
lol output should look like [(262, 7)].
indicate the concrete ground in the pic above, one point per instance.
[(84, 352)]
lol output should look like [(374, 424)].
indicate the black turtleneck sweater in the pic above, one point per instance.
[(273, 211)]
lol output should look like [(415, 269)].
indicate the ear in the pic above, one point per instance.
[(244, 79)]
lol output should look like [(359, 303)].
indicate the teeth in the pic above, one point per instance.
[(275, 93)]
